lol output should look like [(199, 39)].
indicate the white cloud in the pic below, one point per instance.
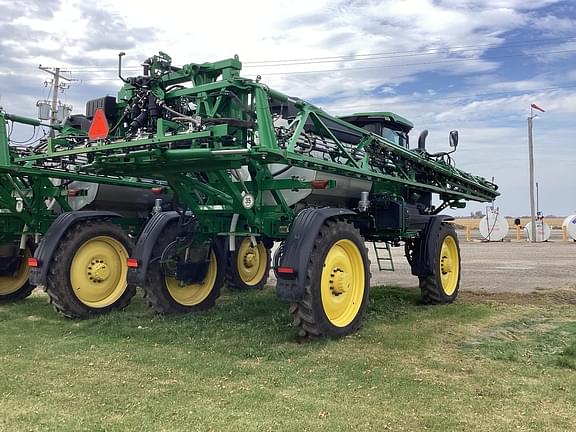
[(554, 25), (504, 4)]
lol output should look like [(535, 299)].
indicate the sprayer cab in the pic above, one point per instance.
[(391, 126)]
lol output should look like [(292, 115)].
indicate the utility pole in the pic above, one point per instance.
[(531, 167), (56, 85), (537, 200)]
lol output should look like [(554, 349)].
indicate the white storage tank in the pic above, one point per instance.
[(543, 231), (569, 224), (493, 226)]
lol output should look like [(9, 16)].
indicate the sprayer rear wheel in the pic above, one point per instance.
[(87, 274), (17, 287), (166, 295)]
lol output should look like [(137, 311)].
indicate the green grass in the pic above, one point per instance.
[(480, 364), (542, 339)]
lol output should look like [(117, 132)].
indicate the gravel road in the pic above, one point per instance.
[(513, 266)]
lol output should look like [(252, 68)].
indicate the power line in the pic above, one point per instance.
[(520, 43), (420, 63), (509, 92), (391, 54), (364, 57), (445, 61), (468, 96)]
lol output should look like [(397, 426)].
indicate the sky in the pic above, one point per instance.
[(471, 65)]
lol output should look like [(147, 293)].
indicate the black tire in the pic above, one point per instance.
[(310, 315), (17, 287), (255, 273), (443, 286), (409, 248), (67, 299), (156, 291)]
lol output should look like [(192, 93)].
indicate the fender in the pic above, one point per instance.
[(298, 248), (50, 241), (427, 245), (146, 241)]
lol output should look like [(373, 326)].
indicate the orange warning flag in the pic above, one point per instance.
[(99, 128)]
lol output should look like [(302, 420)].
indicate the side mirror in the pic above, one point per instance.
[(454, 139)]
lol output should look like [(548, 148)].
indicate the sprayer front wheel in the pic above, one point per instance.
[(248, 265), (87, 274), (337, 283), (16, 286), (443, 286), (167, 295)]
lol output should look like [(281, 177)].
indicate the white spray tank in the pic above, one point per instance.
[(493, 226), (348, 191), (569, 224), (543, 231)]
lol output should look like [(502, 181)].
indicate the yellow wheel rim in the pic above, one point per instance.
[(342, 283), (11, 284), (251, 262), (449, 265), (194, 294), (98, 272)]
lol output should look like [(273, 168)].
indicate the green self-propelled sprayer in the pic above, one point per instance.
[(36, 205), (250, 166)]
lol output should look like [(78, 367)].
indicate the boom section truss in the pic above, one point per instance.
[(241, 126)]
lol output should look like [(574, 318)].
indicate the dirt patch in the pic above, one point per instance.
[(536, 298)]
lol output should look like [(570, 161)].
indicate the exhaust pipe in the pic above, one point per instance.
[(422, 140)]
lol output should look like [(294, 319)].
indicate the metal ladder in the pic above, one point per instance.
[(383, 259)]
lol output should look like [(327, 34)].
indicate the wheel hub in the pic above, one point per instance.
[(342, 282), (445, 265), (98, 271), (449, 265), (339, 282), (250, 259), (251, 263)]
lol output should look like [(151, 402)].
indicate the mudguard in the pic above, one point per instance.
[(427, 245), (50, 241), (298, 247), (145, 244)]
